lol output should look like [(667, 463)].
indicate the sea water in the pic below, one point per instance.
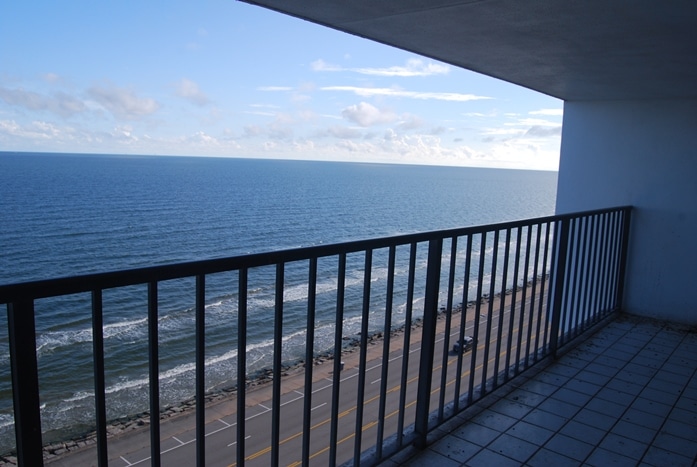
[(67, 214)]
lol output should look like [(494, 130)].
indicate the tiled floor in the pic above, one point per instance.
[(625, 396)]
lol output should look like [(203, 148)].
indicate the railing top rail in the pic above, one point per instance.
[(89, 282)]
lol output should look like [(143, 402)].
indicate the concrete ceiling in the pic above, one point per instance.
[(572, 50)]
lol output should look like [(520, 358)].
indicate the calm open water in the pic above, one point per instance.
[(64, 215)]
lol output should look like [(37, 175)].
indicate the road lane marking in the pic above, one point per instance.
[(450, 361), (410, 404), (235, 442), (292, 400), (323, 388), (341, 415)]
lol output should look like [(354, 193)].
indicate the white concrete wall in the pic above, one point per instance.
[(644, 154)]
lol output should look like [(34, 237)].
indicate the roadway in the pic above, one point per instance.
[(178, 434)]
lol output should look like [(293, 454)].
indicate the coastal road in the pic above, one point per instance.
[(178, 435)]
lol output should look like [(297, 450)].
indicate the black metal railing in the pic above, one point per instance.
[(520, 290)]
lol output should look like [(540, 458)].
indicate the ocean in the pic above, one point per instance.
[(68, 214)]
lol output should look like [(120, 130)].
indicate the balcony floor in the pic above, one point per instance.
[(627, 395)]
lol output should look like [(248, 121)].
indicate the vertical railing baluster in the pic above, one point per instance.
[(446, 334), (360, 397), (612, 255), (566, 323), (533, 291), (540, 344), (626, 217), (596, 268), (606, 261), (581, 253), (21, 329), (587, 289), (241, 364), (477, 317), (385, 352), (490, 312), (523, 299), (99, 383), (309, 360), (463, 319), (502, 306), (559, 271), (601, 265), (200, 370), (575, 292), (338, 342), (553, 260), (154, 374), (616, 239), (407, 344), (428, 341), (514, 305), (277, 361), (587, 255)]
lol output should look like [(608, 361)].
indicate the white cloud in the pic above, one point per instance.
[(59, 103), (250, 131), (123, 103), (413, 67), (124, 134), (523, 128), (298, 98), (259, 112), (408, 148), (190, 91), (501, 131), (36, 132), (367, 115), (201, 138), (410, 122), (341, 132), (533, 122), (274, 88), (490, 114), (281, 128), (544, 131), (550, 112), (390, 92)]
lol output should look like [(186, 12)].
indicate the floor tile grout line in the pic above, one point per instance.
[(635, 397), (615, 338), (667, 417)]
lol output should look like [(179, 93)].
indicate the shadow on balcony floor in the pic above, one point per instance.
[(627, 395)]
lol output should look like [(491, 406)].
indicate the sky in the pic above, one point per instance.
[(223, 78)]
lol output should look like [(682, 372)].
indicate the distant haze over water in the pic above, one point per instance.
[(64, 215)]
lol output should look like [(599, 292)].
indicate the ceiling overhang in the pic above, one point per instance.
[(589, 50)]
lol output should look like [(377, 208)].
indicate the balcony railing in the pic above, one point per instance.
[(520, 290)]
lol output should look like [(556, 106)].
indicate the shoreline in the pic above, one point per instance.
[(257, 381)]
